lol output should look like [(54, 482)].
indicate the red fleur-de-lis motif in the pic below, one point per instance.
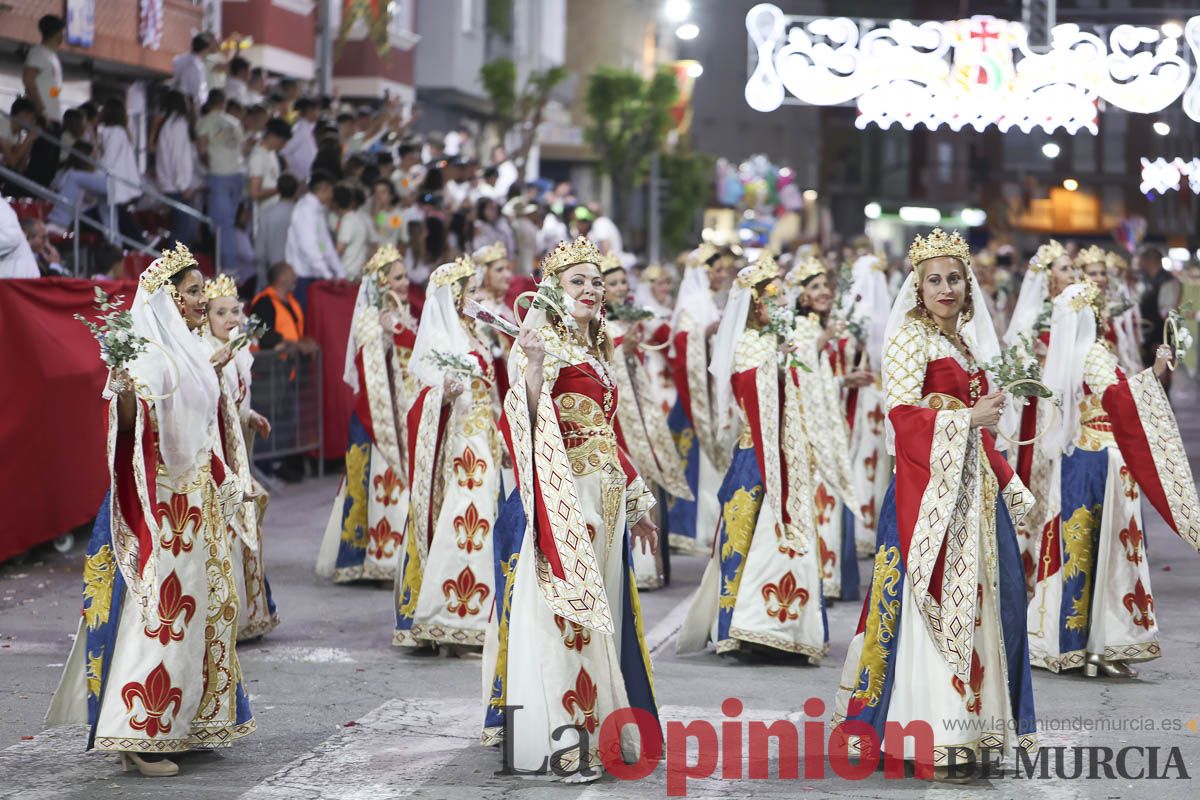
[(469, 469), (868, 513), (471, 529), (574, 635), (828, 559), (1128, 483), (157, 696), (173, 519), (975, 701), (383, 540), (387, 488), (582, 699), (870, 463), (173, 606), (825, 503), (781, 596), (1140, 605), (1131, 540), (464, 594), (875, 418)]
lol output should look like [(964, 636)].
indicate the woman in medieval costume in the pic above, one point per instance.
[(256, 607), (834, 503), (656, 292), (761, 592), (444, 587), (495, 277), (154, 669), (1121, 330), (567, 648), (1050, 272), (941, 639), (1092, 606), (692, 524), (365, 533), (641, 424), (856, 356)]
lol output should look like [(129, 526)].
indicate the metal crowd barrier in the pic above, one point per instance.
[(286, 389)]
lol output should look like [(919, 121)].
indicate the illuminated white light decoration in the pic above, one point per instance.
[(921, 214), (1162, 176), (1050, 150), (976, 72), (1178, 254), (1070, 184), (973, 217), (872, 210), (1162, 128)]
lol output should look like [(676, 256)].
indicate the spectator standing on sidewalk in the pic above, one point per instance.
[(270, 243), (236, 87), (310, 249), (219, 141), (190, 75), (42, 75), (175, 164), (301, 149), (264, 167)]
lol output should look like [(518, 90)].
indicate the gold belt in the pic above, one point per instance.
[(943, 402)]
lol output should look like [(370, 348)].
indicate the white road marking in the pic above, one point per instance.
[(666, 628)]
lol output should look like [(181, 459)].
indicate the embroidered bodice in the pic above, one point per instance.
[(754, 349), (922, 367)]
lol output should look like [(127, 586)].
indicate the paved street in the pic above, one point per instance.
[(342, 714)]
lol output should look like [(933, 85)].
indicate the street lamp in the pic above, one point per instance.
[(677, 10), (872, 210), (688, 31), (1070, 184), (1050, 150)]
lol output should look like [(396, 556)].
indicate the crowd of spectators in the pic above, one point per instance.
[(278, 174)]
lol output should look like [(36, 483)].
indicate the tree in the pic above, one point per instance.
[(519, 111), (630, 118), (689, 181)]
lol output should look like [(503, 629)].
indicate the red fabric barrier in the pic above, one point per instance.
[(52, 470)]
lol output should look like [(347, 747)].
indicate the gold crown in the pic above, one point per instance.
[(610, 262), (568, 254), (939, 244), (654, 272), (764, 269), (701, 255), (455, 271), (1115, 261), (1046, 255), (220, 286), (806, 269), (384, 257), (167, 265), (1091, 255), (493, 252)]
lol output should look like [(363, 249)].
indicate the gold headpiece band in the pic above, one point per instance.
[(1091, 255), (610, 262), (1090, 296), (654, 272), (937, 245), (1115, 261), (568, 254), (452, 273), (805, 269), (701, 255), (164, 267), (1046, 255), (493, 252), (384, 257), (220, 286), (764, 269)]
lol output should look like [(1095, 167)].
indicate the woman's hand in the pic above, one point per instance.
[(260, 423), (1164, 357), (631, 340), (388, 320), (645, 533), (221, 356), (534, 347), (451, 389), (120, 383), (986, 412), (1040, 349), (858, 378)]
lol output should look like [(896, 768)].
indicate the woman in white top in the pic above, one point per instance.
[(174, 163), (116, 183), (353, 230)]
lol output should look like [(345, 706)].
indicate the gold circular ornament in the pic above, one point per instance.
[(1171, 339), (1054, 413)]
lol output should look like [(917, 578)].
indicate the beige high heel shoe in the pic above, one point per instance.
[(1111, 669), (163, 768)]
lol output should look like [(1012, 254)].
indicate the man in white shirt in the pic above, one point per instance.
[(43, 71), (301, 149), (506, 170), (219, 142), (16, 143), (270, 241), (190, 75), (16, 256), (235, 84), (264, 166), (310, 248)]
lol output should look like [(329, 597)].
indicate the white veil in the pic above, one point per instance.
[(182, 379), (441, 330), (978, 333), (1072, 332), (1030, 300), (868, 299), (695, 297), (733, 322)]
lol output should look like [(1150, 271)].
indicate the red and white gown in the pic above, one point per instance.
[(642, 432), (1092, 594), (364, 536), (942, 635), (445, 587), (567, 645)]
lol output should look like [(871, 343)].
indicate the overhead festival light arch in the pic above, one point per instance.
[(966, 73)]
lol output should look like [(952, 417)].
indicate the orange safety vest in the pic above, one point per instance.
[(289, 319)]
